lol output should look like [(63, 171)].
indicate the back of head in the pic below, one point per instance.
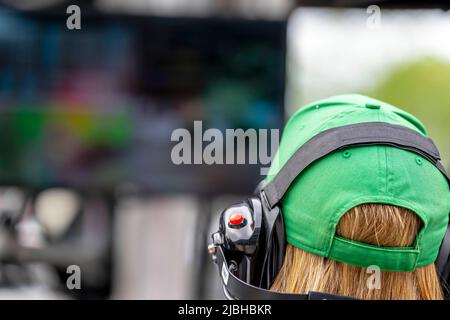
[(376, 224), (367, 220)]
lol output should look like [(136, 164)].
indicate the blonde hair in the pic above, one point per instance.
[(377, 224)]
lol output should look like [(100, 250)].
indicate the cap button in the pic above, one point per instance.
[(372, 106)]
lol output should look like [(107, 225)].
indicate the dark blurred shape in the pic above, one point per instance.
[(249, 9), (384, 4), (58, 228), (46, 4), (94, 108)]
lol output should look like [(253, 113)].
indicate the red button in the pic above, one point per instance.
[(236, 218)]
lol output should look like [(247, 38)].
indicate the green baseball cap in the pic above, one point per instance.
[(377, 173)]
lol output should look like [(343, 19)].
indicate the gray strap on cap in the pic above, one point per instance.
[(368, 133)]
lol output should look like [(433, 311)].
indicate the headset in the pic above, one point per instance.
[(249, 246)]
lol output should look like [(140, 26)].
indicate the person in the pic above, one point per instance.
[(377, 195), (355, 205)]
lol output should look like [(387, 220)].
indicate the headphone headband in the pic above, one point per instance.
[(360, 134)]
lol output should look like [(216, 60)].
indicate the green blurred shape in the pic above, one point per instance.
[(29, 124), (421, 87)]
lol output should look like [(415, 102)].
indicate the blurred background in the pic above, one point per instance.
[(86, 118)]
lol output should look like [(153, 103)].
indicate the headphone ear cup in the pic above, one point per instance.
[(275, 249), (281, 242), (278, 248), (240, 225), (443, 263)]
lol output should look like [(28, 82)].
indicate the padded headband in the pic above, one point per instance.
[(360, 134)]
